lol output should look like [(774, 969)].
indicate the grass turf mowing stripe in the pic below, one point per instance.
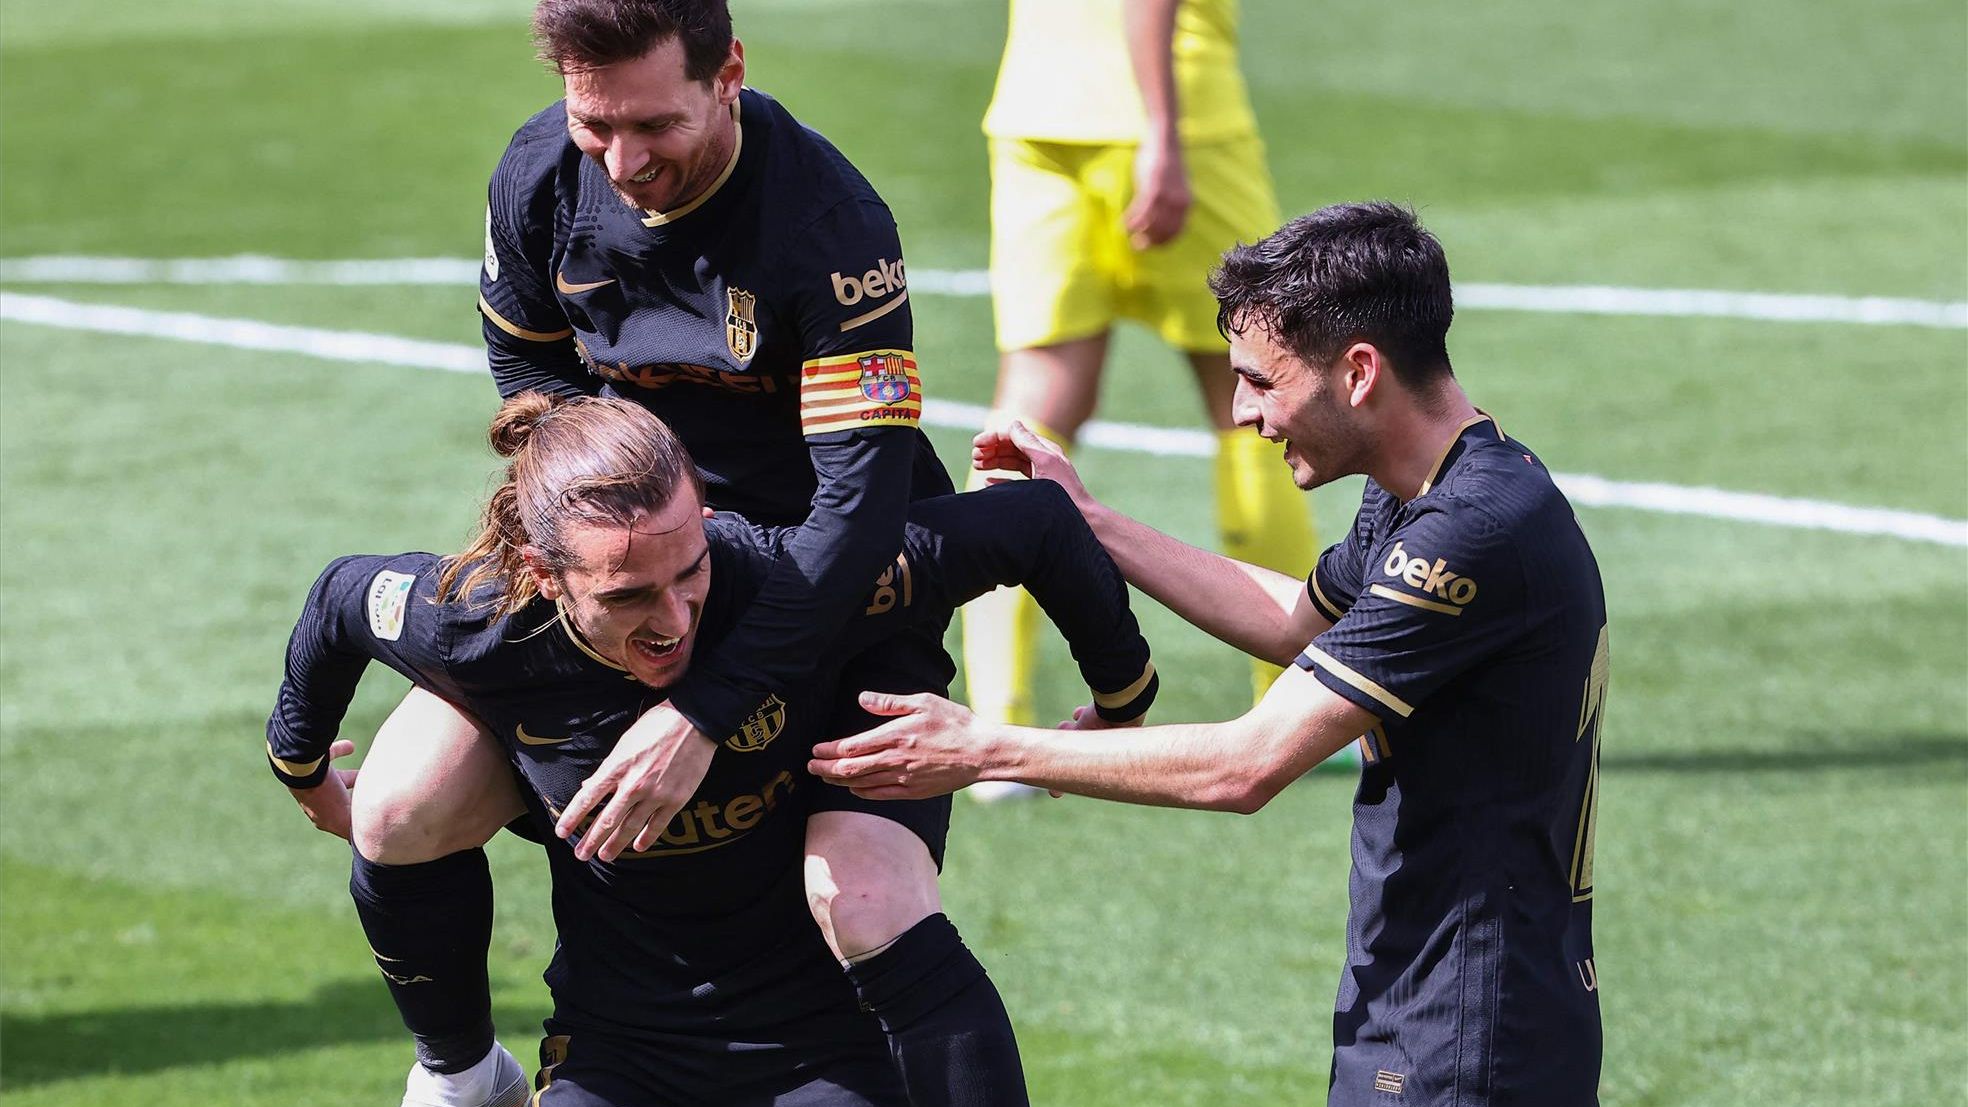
[(1775, 307), (361, 346)]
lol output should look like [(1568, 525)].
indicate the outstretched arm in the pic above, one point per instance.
[(934, 746)]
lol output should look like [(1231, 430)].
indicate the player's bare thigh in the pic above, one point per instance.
[(868, 880), (432, 784), (1056, 385)]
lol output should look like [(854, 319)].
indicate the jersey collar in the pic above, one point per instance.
[(1454, 449), (580, 643), (661, 218)]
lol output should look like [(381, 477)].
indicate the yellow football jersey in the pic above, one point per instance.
[(1066, 76)]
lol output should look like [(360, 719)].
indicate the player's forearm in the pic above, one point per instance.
[(1250, 607), (1238, 765), (1029, 533), (321, 675), (1203, 766), (1150, 27)]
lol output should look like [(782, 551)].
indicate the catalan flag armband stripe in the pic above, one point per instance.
[(874, 388)]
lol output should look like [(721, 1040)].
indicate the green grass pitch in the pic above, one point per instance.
[(1783, 847)]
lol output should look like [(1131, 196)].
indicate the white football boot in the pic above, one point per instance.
[(496, 1081)]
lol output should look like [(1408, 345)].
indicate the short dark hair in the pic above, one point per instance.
[(1347, 273), (588, 34)]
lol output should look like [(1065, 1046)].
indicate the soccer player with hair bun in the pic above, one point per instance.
[(689, 970)]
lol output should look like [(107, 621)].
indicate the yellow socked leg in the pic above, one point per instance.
[(1262, 518)]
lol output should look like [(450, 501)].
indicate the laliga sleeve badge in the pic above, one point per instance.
[(491, 254), (760, 727), (389, 601)]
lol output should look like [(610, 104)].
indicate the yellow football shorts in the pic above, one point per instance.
[(1061, 264)]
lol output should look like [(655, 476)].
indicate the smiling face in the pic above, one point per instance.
[(636, 592), (661, 137), (1304, 406)]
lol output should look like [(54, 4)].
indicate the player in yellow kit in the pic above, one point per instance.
[(1125, 160)]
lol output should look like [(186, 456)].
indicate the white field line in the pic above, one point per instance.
[(382, 349), (1781, 307)]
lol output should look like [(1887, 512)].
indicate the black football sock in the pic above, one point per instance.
[(947, 1029), (430, 926)]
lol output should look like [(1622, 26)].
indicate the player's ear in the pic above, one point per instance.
[(1360, 370), (708, 511), (731, 75), (543, 578)]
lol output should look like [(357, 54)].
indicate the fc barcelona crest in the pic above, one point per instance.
[(760, 727), (741, 330), (884, 378)]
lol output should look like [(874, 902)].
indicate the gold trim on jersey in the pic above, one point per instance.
[(1435, 471), (658, 218), (580, 643), (1385, 592), (1326, 607), (1125, 696), (871, 316), (518, 331), (1346, 673), (291, 768)]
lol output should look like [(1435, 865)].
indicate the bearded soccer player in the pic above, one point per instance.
[(668, 236), (689, 971), (1457, 632)]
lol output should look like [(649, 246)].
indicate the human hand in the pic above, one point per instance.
[(651, 773), (1018, 449), (327, 804), (1161, 194), (1086, 718), (931, 747)]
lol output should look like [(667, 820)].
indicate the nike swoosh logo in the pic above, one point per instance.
[(560, 282), (534, 740)]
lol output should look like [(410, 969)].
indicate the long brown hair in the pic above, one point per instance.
[(591, 460)]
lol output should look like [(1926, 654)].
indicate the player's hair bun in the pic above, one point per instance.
[(514, 424)]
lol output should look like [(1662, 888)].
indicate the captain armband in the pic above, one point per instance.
[(1129, 703)]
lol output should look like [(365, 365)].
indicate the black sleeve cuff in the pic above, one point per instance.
[(297, 774), (1129, 703)]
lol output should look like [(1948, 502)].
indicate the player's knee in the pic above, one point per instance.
[(393, 828)]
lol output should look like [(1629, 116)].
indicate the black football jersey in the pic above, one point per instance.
[(709, 927), (767, 322), (1472, 621)]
